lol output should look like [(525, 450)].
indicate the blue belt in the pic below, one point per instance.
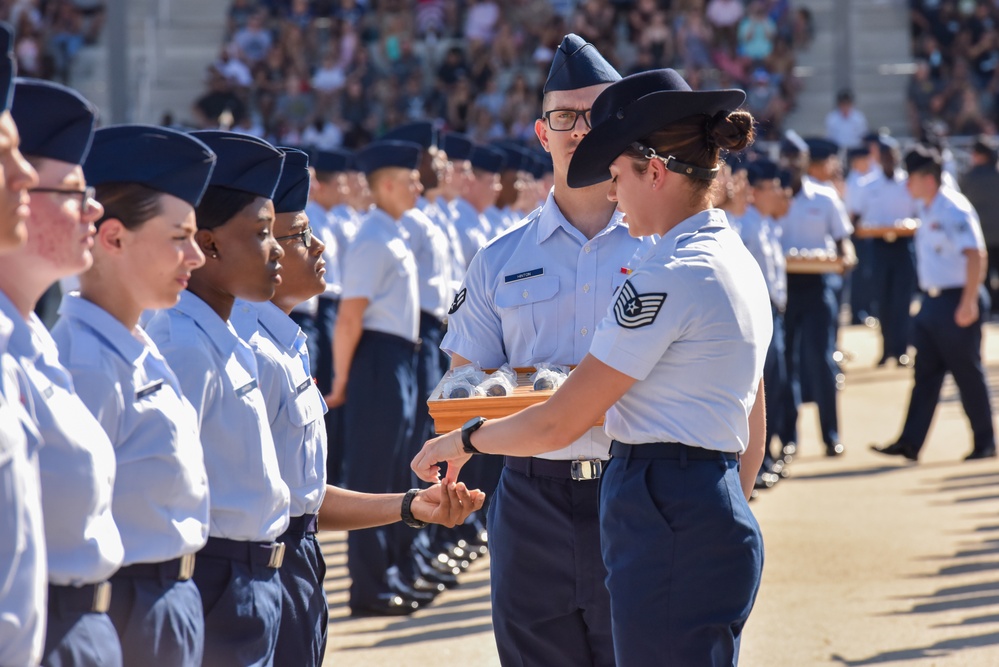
[(668, 450), (89, 598), (577, 470), (307, 523), (180, 569), (269, 554)]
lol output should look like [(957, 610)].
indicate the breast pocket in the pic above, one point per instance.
[(305, 413), (529, 310)]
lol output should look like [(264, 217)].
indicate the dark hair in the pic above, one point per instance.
[(220, 204), (132, 203), (699, 140)]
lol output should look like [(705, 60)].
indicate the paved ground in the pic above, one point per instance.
[(869, 561)]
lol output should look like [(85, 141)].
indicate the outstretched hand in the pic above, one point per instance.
[(448, 504), (448, 448)]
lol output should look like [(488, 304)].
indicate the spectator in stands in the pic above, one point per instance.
[(846, 124), (254, 40), (757, 32), (65, 37), (724, 16)]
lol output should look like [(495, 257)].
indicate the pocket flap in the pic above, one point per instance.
[(524, 292)]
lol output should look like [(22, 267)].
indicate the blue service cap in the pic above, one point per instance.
[(8, 65), (488, 159), (292, 191), (388, 153), (157, 157), (457, 146), (54, 121), (245, 163), (421, 132), (762, 170), (792, 144), (332, 161), (820, 148), (857, 151), (578, 64)]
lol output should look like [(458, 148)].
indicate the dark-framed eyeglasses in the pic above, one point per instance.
[(563, 120), (86, 195), (305, 235)]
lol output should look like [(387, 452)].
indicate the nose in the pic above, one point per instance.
[(93, 210), (579, 128), (193, 257), (277, 252), (24, 176), (317, 247)]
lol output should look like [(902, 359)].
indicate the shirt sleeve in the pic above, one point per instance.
[(964, 228), (364, 265), (474, 327), (839, 222)]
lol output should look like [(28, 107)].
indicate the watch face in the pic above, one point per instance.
[(474, 422)]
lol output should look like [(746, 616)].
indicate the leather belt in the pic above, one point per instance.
[(578, 470), (180, 569), (269, 554), (668, 450), (934, 292), (306, 523), (89, 598)]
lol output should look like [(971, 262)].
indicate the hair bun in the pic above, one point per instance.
[(731, 130)]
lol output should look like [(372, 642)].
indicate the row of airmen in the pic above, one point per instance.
[(163, 483)]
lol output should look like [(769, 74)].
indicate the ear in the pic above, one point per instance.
[(541, 129), (206, 241), (110, 236), (656, 173)]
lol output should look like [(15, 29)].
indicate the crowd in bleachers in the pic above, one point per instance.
[(50, 33), (339, 72)]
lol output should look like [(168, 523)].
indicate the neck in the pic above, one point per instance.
[(930, 196), (205, 289), (586, 209), (21, 282), (393, 210), (106, 292), (286, 304)]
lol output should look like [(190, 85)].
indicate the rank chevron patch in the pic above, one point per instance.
[(633, 310), (459, 299)]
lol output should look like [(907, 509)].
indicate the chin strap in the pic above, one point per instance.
[(675, 165)]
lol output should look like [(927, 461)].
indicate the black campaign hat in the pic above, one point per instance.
[(578, 64), (457, 146), (421, 132), (245, 163), (292, 191), (8, 65), (157, 157), (332, 161), (54, 121), (388, 153), (633, 108)]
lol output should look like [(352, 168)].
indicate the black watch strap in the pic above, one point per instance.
[(407, 510), (470, 427)]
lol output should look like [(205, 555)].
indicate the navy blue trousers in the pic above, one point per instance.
[(861, 282), (684, 558), (379, 418), (304, 613), (159, 621), (809, 344), (943, 347), (550, 603), (775, 381), (894, 280), (77, 638), (242, 607)]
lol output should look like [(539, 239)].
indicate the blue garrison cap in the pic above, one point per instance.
[(792, 144), (332, 161), (8, 65), (488, 159), (785, 178), (518, 158), (578, 64), (858, 151), (244, 162), (388, 153), (761, 170), (182, 164), (422, 132), (292, 192), (820, 148), (54, 121), (457, 146)]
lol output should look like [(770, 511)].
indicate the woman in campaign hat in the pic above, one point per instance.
[(144, 253), (677, 367)]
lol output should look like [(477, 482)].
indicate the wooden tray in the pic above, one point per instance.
[(814, 265), (451, 413), (906, 229)]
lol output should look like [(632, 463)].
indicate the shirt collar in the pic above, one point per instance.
[(104, 325), (713, 217), (219, 331), (282, 329), (550, 218), (22, 341)]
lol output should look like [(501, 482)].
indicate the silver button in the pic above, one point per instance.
[(586, 288), (583, 331), (586, 248), (525, 294)]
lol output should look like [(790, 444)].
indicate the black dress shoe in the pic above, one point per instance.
[(976, 454), (883, 361), (386, 604), (896, 449), (788, 451), (423, 585), (834, 449)]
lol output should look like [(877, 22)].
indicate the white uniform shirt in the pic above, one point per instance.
[(77, 463), (429, 246), (692, 325), (882, 201), (472, 228), (762, 237), (23, 574), (949, 227), (815, 220), (295, 406), (380, 267), (535, 295), (160, 500), (218, 375)]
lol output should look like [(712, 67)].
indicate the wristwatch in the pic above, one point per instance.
[(470, 427), (407, 510)]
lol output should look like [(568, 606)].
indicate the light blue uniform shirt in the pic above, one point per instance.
[(536, 294), (473, 229), (23, 574), (949, 227), (77, 463), (218, 375), (882, 201), (762, 237), (816, 219), (440, 214), (345, 223), (496, 222), (328, 229), (429, 246), (380, 268), (295, 406), (160, 500), (852, 186), (692, 325)]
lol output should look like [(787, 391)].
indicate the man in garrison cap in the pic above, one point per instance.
[(535, 295)]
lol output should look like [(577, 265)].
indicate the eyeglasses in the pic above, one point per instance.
[(86, 195), (563, 120), (305, 235)]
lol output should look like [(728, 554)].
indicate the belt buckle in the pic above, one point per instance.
[(102, 597), (277, 555), (186, 567), (583, 470), (933, 292)]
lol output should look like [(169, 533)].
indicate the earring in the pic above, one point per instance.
[(215, 255)]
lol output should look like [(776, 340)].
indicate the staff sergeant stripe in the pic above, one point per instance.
[(633, 310)]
